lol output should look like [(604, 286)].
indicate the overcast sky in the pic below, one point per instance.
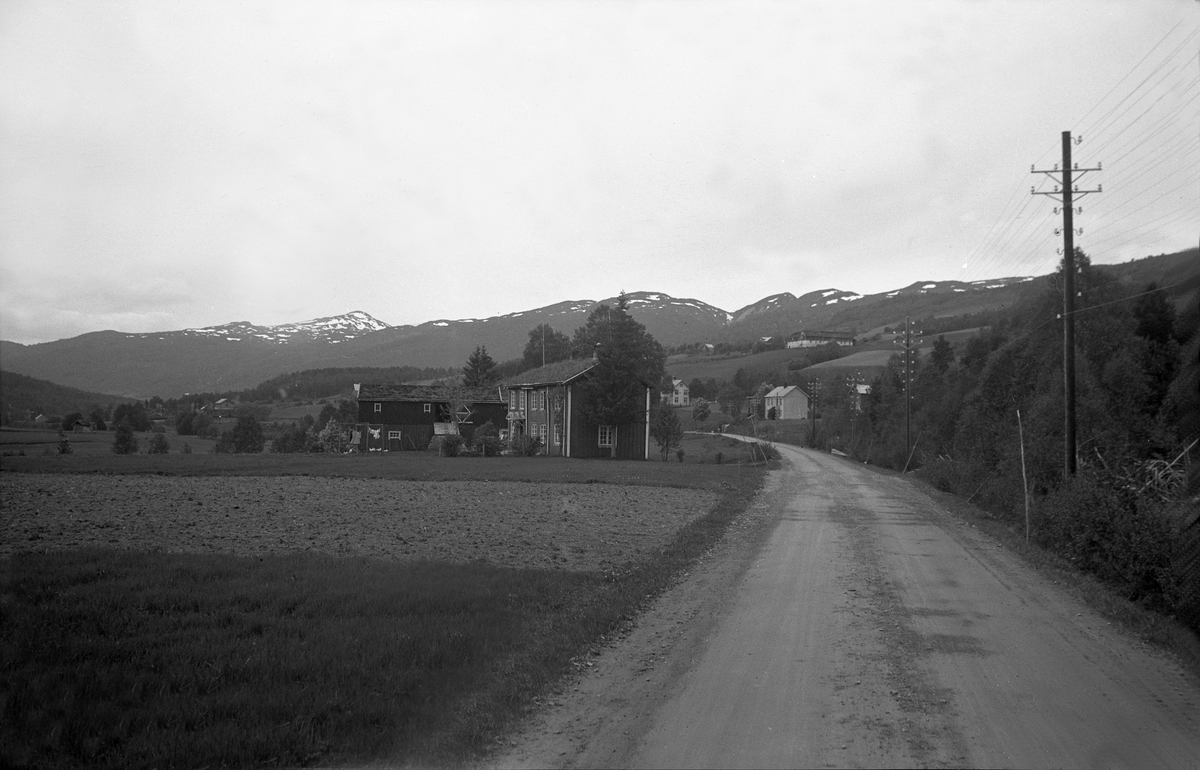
[(173, 165)]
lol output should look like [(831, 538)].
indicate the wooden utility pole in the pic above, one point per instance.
[(908, 362), (1067, 196)]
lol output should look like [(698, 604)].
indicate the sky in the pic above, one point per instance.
[(178, 165)]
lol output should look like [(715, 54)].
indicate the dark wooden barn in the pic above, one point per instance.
[(407, 417)]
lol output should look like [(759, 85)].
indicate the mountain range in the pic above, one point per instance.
[(240, 355)]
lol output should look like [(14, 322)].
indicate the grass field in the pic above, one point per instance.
[(117, 658), (15, 441)]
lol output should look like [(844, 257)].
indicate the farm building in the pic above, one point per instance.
[(546, 403), (815, 339), (679, 395), (397, 417), (786, 403)]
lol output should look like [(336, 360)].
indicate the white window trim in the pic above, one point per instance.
[(378, 407), (600, 431), (428, 408)]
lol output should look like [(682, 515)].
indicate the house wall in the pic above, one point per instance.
[(630, 437), (416, 425)]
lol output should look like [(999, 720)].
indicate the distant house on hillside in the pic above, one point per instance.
[(223, 407), (398, 417), (858, 397), (547, 403), (679, 395), (786, 403), (814, 339)]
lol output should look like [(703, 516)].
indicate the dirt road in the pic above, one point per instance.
[(849, 622)]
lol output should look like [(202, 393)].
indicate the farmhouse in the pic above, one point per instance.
[(786, 403), (814, 339), (396, 417), (547, 403), (679, 395)]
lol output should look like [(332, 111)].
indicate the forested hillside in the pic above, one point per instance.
[(1136, 491), (26, 397)]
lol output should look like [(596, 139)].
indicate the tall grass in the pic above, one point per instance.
[(113, 659)]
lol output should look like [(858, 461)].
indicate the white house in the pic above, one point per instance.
[(815, 339), (788, 403), (679, 394)]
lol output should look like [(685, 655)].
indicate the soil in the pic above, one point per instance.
[(515, 524)]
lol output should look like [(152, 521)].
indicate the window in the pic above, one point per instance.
[(524, 399), (394, 435), (542, 400), (557, 433), (606, 435), (428, 408), (512, 400), (378, 407)]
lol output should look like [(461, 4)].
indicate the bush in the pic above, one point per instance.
[(1125, 541), (526, 446), (486, 440), (450, 445), (64, 444), (159, 444), (125, 443)]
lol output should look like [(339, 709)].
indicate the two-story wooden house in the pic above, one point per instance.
[(546, 403), (678, 395), (396, 417)]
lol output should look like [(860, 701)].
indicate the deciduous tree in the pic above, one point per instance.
[(545, 346)]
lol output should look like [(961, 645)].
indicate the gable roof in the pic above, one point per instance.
[(557, 373), (783, 392), (425, 393)]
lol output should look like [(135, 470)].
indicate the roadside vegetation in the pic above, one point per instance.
[(985, 421)]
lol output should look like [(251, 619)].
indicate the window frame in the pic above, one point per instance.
[(378, 408), (601, 430)]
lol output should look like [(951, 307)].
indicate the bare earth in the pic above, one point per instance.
[(849, 622), (563, 526)]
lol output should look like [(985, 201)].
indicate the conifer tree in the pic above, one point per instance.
[(480, 369)]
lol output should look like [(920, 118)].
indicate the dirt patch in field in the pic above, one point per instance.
[(562, 526)]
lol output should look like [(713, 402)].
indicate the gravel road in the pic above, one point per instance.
[(518, 524), (849, 622)]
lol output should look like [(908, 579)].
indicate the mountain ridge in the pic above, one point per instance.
[(241, 355)]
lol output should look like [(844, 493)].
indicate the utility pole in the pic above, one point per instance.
[(1066, 196), (814, 388), (908, 361)]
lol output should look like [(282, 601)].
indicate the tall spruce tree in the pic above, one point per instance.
[(480, 369), (628, 359)]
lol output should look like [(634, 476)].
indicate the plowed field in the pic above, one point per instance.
[(518, 524)]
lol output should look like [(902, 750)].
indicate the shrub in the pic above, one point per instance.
[(526, 446), (1125, 541), (486, 440), (187, 448), (64, 444), (679, 453), (719, 457), (158, 444), (125, 443), (450, 445)]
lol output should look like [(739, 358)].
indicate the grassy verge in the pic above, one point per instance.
[(113, 659)]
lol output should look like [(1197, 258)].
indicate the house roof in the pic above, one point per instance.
[(557, 373), (783, 392), (823, 335), (425, 393)]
